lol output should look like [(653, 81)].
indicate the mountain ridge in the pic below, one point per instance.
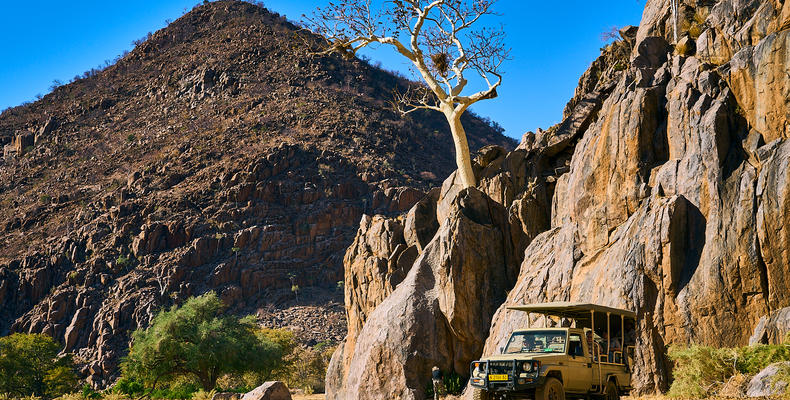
[(217, 155)]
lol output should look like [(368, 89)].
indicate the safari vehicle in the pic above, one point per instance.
[(581, 356)]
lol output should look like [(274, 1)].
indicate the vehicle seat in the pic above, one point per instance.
[(575, 348)]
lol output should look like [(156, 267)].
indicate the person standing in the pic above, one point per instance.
[(438, 384)]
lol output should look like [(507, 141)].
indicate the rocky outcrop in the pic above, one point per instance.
[(443, 306), (664, 191), (433, 317)]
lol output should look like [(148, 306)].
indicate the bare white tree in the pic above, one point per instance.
[(674, 8), (440, 40)]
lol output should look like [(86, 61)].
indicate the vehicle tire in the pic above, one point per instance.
[(610, 393), (480, 394), (551, 390)]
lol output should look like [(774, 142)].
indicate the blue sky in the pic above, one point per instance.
[(552, 43)]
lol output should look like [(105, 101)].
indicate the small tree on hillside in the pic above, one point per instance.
[(196, 341), (437, 37)]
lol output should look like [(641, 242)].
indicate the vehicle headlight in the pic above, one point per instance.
[(530, 366), (478, 371)]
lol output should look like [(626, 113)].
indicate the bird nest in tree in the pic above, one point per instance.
[(441, 63)]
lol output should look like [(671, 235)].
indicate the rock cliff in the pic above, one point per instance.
[(217, 155), (664, 190)]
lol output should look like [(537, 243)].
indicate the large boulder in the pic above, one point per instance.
[(772, 328), (375, 263), (273, 390), (440, 313), (766, 383)]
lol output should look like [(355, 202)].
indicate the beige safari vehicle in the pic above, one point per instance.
[(584, 358)]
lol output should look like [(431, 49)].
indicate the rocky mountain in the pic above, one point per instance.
[(218, 155), (664, 190)]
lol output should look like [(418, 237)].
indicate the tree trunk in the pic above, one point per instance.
[(462, 157), (674, 7), (206, 381)]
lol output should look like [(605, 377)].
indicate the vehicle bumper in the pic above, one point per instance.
[(512, 385)]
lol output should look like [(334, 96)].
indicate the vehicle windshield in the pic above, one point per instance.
[(537, 342)]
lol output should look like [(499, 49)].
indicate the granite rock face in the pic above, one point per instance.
[(664, 190), (674, 206)]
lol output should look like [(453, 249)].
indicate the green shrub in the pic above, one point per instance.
[(114, 396), (181, 389), (128, 386), (123, 261), (699, 370), (453, 384), (67, 396), (89, 393), (195, 343), (306, 369), (783, 375), (30, 366), (278, 368), (203, 395), (752, 359)]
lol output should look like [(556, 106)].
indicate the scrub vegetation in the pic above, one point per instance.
[(703, 371)]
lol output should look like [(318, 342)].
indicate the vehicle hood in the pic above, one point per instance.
[(525, 356)]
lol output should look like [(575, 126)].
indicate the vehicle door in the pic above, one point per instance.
[(579, 365)]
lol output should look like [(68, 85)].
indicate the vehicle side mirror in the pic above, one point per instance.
[(502, 350)]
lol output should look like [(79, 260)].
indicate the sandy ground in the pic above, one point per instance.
[(308, 397), (322, 397)]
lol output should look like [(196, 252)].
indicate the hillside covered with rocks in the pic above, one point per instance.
[(665, 190), (217, 155)]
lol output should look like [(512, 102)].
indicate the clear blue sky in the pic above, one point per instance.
[(552, 42)]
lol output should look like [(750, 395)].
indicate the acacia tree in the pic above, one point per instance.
[(440, 40), (30, 365), (197, 341)]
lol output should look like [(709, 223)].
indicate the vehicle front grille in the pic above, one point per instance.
[(500, 367)]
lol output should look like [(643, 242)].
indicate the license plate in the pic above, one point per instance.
[(498, 377)]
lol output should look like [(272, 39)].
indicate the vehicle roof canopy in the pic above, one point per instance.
[(566, 309)]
